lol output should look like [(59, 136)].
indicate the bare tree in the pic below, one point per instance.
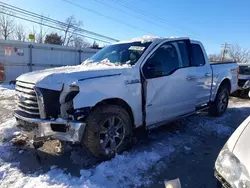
[(40, 36), (7, 25), (70, 28), (214, 57), (20, 33), (80, 42), (239, 54)]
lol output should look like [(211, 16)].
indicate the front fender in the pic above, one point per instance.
[(93, 91)]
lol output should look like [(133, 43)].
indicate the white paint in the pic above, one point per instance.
[(204, 79), (112, 87), (238, 143), (222, 72), (166, 97), (55, 78)]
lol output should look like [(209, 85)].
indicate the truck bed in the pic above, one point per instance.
[(222, 70), (221, 62)]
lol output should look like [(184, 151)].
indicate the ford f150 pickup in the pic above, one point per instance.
[(145, 82)]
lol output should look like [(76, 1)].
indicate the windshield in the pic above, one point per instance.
[(125, 53)]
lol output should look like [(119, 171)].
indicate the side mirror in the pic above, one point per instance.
[(154, 68), (150, 67)]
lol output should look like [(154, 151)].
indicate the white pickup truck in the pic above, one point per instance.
[(145, 82)]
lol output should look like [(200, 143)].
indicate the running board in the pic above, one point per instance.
[(156, 125)]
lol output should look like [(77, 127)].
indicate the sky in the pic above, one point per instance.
[(212, 22)]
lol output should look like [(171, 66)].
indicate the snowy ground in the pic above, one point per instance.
[(185, 149)]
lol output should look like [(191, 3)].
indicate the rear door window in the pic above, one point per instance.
[(197, 55)]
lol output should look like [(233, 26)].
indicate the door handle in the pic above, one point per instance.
[(208, 74), (191, 78)]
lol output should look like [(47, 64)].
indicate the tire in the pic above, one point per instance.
[(102, 139), (220, 104)]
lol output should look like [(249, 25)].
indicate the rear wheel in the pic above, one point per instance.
[(219, 106), (108, 131)]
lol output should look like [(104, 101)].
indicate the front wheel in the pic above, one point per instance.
[(220, 104), (108, 131)]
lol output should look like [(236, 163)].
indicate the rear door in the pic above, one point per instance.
[(170, 82), (203, 74)]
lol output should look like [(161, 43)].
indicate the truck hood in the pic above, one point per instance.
[(54, 78)]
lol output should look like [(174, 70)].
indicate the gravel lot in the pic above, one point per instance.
[(185, 149)]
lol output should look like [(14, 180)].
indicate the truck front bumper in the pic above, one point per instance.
[(59, 129)]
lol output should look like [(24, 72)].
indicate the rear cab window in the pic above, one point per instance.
[(198, 58)]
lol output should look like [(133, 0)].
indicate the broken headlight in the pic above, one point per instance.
[(231, 169)]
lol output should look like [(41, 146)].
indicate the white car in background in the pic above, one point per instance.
[(232, 166)]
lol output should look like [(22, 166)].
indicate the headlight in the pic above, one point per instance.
[(231, 169)]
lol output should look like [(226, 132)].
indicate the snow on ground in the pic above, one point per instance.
[(7, 90), (8, 104), (8, 128), (130, 169), (124, 170)]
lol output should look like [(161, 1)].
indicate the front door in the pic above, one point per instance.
[(170, 82)]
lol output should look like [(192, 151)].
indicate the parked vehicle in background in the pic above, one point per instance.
[(145, 82), (232, 167), (244, 80)]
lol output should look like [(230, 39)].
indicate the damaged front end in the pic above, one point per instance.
[(50, 113)]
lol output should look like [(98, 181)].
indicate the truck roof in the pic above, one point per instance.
[(149, 38)]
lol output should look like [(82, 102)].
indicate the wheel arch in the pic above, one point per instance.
[(213, 109), (118, 102), (226, 83)]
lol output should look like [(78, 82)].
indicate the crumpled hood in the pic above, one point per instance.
[(241, 143), (54, 78)]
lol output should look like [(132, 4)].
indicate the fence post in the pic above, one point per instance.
[(30, 59), (80, 56)]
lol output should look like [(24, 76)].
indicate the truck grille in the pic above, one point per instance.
[(26, 99)]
